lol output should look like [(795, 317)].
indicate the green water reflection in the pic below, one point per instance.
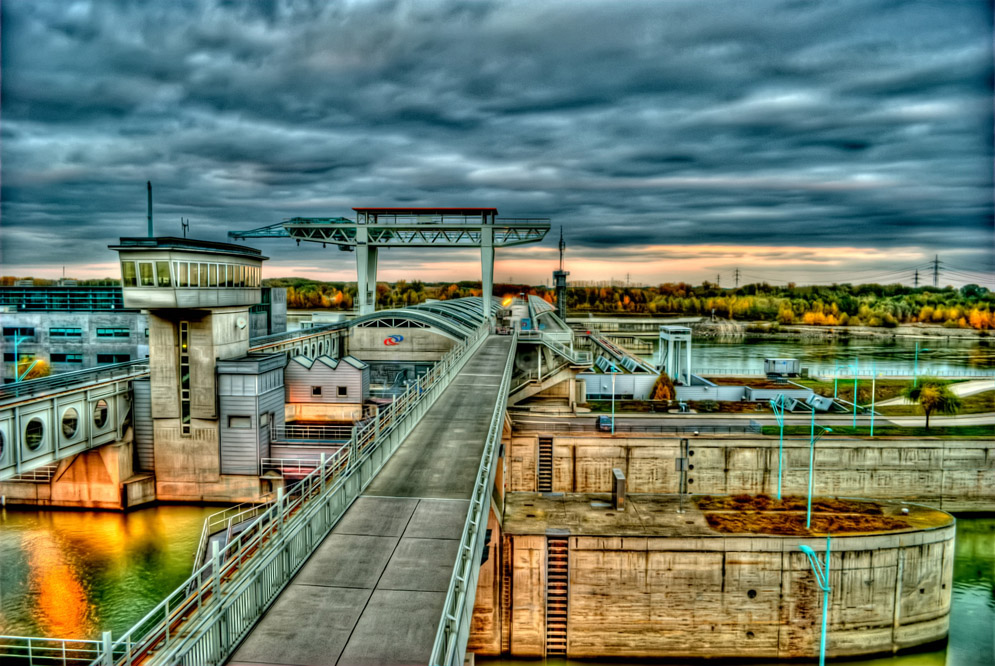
[(75, 574)]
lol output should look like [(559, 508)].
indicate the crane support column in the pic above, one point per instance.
[(487, 261), (366, 272)]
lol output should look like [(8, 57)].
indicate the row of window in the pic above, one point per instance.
[(29, 332), (188, 274), (34, 429), (58, 357)]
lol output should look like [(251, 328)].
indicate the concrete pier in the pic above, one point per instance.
[(649, 582)]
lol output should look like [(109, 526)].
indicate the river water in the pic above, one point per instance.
[(77, 573), (888, 356)]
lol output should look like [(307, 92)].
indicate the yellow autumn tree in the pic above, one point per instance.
[(663, 388)]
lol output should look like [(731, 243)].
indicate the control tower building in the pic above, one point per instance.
[(197, 294)]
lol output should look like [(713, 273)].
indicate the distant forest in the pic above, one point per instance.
[(971, 306)]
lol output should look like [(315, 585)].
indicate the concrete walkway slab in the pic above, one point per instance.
[(389, 559)]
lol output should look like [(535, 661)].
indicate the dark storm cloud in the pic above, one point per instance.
[(862, 123)]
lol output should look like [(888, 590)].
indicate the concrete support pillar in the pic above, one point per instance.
[(366, 272), (687, 367), (487, 262)]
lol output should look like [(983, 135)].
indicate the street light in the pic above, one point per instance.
[(614, 371), (836, 376), (915, 368), (822, 580), (811, 465), (777, 404)]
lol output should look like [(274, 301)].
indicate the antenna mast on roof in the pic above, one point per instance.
[(149, 185), (563, 246)]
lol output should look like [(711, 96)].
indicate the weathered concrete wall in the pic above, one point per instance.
[(955, 475), (100, 478), (749, 596)]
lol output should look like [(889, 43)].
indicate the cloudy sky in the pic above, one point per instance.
[(806, 141)]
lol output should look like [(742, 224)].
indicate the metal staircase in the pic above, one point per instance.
[(557, 584)]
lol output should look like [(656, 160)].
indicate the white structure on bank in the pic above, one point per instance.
[(675, 353)]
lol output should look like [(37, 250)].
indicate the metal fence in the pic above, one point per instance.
[(102, 373), (454, 627), (574, 356), (48, 651), (323, 433), (206, 617)]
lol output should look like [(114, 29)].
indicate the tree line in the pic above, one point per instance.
[(971, 306)]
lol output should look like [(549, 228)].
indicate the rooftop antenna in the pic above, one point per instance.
[(149, 185), (563, 246), (185, 224)]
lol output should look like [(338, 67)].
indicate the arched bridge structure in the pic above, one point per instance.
[(45, 420)]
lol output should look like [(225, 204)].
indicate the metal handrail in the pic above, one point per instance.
[(576, 357), (110, 372), (454, 626), (207, 616), (48, 651), (330, 433)]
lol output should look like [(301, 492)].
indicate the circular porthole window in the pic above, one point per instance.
[(100, 413), (34, 432), (70, 423), (2, 443)]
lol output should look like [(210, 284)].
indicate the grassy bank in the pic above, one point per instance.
[(883, 430)]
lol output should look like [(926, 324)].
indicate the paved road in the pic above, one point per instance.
[(373, 591), (766, 418)]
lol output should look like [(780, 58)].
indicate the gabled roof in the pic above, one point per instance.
[(329, 361)]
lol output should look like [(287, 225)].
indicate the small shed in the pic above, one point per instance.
[(327, 380)]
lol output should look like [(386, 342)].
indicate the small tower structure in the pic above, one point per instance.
[(197, 294), (560, 282)]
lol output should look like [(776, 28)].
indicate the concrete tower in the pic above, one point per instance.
[(198, 295), (560, 281)]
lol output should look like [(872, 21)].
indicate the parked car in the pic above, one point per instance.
[(605, 423)]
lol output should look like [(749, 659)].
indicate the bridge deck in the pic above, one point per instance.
[(373, 591)]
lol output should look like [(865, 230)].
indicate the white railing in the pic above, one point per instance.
[(454, 627), (327, 433), (225, 520), (48, 651), (289, 466), (206, 617), (575, 356)]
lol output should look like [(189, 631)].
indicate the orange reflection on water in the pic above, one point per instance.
[(62, 606)]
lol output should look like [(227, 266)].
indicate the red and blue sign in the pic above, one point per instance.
[(393, 340)]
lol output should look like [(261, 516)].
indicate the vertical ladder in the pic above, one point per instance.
[(545, 465), (557, 584)]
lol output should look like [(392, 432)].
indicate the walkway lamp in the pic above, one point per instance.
[(812, 439), (19, 376), (777, 404), (614, 371), (856, 374), (874, 380), (822, 580), (915, 367)]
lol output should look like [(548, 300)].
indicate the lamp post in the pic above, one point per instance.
[(915, 367), (614, 371), (821, 574), (777, 404), (811, 466), (874, 383), (856, 374), (19, 376)]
